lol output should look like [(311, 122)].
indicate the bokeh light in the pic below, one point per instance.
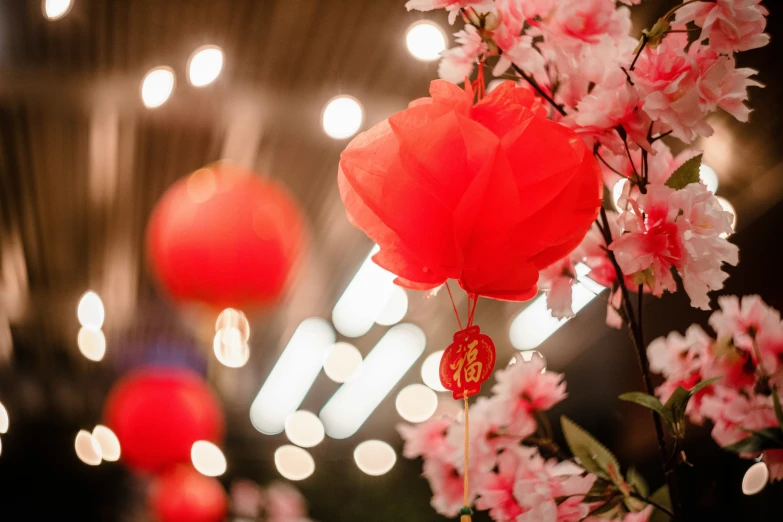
[(430, 371), (87, 448), (416, 403), (108, 442), (342, 362), (157, 86), (207, 458), (56, 9), (4, 420), (395, 308), (375, 457), (342, 117), (425, 40), (304, 429), (755, 479), (205, 65), (709, 177), (293, 462), (230, 349), (728, 207), (92, 344), (90, 311)]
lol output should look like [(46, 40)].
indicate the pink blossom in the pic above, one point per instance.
[(521, 390), (452, 6), (722, 85), (732, 413), (667, 80), (557, 280), (427, 439), (678, 356), (774, 461), (588, 21), (447, 486), (457, 63), (246, 498), (730, 25), (284, 503), (487, 436), (496, 492)]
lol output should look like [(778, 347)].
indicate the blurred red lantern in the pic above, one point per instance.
[(157, 415), (225, 237), (486, 193), (184, 495)]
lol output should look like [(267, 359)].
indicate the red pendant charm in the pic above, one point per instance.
[(467, 362)]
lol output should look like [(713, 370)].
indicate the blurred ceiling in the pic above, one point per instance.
[(82, 163)]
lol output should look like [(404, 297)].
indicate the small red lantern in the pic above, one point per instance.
[(157, 415), (184, 495), (467, 362), (225, 237)]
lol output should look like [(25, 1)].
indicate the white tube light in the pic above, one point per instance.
[(382, 369), (293, 375), (365, 298), (535, 323)]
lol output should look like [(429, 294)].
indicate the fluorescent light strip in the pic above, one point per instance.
[(293, 375), (365, 298), (382, 369), (535, 323)]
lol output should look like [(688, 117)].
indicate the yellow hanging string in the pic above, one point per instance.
[(465, 511)]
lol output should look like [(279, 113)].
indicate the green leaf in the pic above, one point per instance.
[(685, 175), (636, 480), (674, 410), (643, 399), (768, 438), (775, 435), (703, 384), (657, 32), (608, 508), (778, 409), (592, 455), (662, 498)]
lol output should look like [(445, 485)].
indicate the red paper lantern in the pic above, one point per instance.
[(225, 237), (184, 495), (486, 193), (157, 415)]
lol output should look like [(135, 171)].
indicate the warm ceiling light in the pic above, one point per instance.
[(395, 309), (87, 448), (293, 375), (709, 177), (294, 463), (425, 40), (430, 371), (374, 457), (90, 311), (304, 429), (342, 117), (230, 349), (108, 442), (91, 343), (619, 190), (728, 207), (382, 369), (207, 458), (342, 362), (205, 65), (3, 419), (416, 403), (56, 9), (755, 479), (364, 299), (230, 317), (157, 86)]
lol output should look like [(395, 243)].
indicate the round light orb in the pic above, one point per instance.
[(204, 65), (207, 458), (90, 311), (56, 9), (395, 308), (293, 462), (1, 447), (304, 429), (430, 371), (157, 86), (728, 207), (232, 318), (342, 362), (755, 479), (87, 448), (425, 40), (416, 403), (342, 117), (4, 421), (230, 349), (91, 343), (374, 457), (109, 443), (709, 177), (620, 189)]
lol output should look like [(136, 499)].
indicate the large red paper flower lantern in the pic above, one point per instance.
[(184, 495), (157, 415), (225, 237), (486, 193)]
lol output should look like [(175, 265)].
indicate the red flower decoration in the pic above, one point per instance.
[(486, 193)]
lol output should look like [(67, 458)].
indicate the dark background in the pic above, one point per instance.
[(82, 163)]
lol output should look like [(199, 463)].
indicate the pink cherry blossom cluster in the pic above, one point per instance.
[(623, 96), (745, 353), (508, 476)]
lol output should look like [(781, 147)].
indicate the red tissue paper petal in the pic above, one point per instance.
[(487, 193)]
